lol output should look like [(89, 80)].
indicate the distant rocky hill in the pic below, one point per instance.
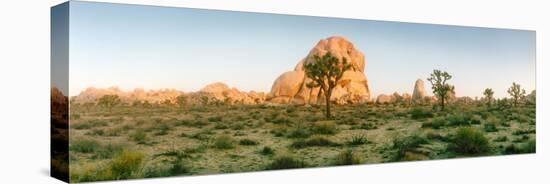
[(290, 87), (212, 93)]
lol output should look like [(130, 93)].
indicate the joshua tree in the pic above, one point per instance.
[(109, 101), (325, 73), (488, 95), (516, 92), (181, 101), (440, 88)]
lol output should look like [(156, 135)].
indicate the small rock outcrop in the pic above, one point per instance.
[(419, 92)]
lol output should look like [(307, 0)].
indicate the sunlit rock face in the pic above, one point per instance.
[(290, 87)]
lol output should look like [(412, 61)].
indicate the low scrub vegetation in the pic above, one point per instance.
[(469, 140)]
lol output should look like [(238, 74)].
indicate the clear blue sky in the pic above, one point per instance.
[(158, 47)]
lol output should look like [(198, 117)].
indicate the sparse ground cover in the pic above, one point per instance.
[(136, 142)]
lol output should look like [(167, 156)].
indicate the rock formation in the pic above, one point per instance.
[(384, 99), (214, 93), (290, 87), (91, 95), (221, 92), (419, 92)]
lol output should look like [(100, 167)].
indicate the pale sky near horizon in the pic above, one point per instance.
[(149, 47)]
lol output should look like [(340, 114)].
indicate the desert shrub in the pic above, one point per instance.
[(126, 165), (286, 162), (248, 142), (139, 136), (528, 147), (224, 142), (493, 120), (220, 126), (476, 119), (108, 151), (162, 128), (324, 128), (524, 132), (347, 121), (114, 131), (266, 150), (458, 120), (312, 118), (404, 145), (282, 120), (290, 109), (358, 140), (315, 141), (89, 124), (490, 127), (278, 132), (501, 139), (420, 113), (199, 123), (366, 126), (299, 132), (84, 145), (215, 119), (468, 140), (99, 132), (174, 167), (74, 116), (436, 136), (521, 138), (435, 123), (347, 157)]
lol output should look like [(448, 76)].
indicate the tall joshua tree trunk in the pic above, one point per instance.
[(327, 100)]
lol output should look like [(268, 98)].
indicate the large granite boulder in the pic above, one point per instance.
[(353, 88)]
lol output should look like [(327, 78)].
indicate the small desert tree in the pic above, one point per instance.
[(109, 101), (181, 100), (325, 73), (488, 96), (516, 93), (440, 88)]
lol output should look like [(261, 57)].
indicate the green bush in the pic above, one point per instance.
[(366, 126), (315, 141), (248, 142), (266, 150), (84, 145), (324, 128), (468, 140), (501, 139), (358, 140), (420, 113), (459, 120), (299, 132), (89, 124), (435, 123), (347, 157), (286, 162), (215, 119), (490, 127), (126, 165), (139, 136), (405, 145), (108, 151), (223, 142), (282, 120)]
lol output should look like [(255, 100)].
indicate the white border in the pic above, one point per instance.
[(24, 76)]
